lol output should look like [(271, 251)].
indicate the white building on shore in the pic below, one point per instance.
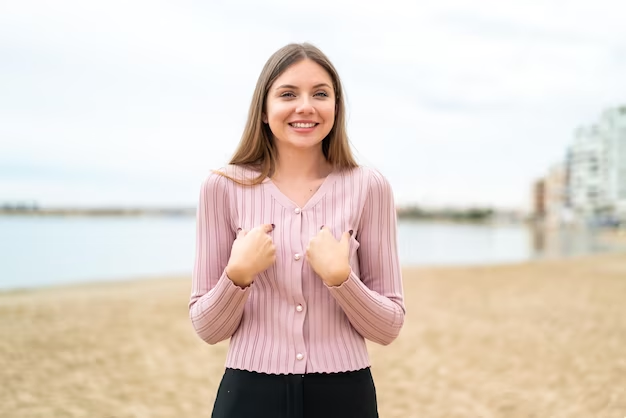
[(596, 169), (586, 190), (613, 131)]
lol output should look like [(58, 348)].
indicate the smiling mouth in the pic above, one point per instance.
[(303, 125)]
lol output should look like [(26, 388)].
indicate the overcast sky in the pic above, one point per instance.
[(456, 103)]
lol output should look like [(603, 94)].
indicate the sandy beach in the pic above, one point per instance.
[(543, 339)]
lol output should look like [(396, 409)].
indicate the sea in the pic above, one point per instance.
[(49, 251)]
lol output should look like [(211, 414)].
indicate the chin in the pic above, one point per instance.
[(305, 145), (303, 142)]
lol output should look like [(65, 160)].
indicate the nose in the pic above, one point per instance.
[(305, 106)]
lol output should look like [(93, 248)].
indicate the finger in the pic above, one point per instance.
[(345, 238), (241, 232), (324, 228), (264, 228)]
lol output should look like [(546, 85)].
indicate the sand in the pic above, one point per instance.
[(544, 339)]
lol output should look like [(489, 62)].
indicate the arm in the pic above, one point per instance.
[(374, 302), (216, 304)]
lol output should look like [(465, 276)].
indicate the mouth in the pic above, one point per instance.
[(303, 125)]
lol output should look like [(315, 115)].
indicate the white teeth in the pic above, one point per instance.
[(303, 125)]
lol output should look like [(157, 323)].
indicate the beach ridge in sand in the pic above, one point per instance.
[(533, 339)]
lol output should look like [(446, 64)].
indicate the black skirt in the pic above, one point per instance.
[(244, 394)]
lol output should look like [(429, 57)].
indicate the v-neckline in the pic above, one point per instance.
[(290, 204)]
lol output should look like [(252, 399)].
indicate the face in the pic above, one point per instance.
[(300, 106)]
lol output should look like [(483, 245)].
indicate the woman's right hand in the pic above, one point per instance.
[(253, 251)]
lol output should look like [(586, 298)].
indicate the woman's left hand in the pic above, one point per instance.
[(329, 257)]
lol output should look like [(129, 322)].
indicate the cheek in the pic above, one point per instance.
[(329, 123), (328, 112), (278, 112)]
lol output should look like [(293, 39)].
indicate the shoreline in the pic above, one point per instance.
[(460, 216)]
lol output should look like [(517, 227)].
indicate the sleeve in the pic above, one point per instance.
[(374, 302), (216, 304)]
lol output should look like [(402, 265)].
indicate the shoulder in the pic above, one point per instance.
[(230, 175), (214, 187), (369, 178), (236, 172)]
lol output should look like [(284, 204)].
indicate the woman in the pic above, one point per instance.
[(296, 258)]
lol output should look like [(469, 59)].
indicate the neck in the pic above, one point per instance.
[(301, 164)]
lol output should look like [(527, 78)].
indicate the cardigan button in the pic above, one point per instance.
[(299, 356), (297, 211)]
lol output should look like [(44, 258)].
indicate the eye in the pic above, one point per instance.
[(287, 94), (322, 94)]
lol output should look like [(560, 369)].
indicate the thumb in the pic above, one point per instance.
[(241, 233), (345, 238)]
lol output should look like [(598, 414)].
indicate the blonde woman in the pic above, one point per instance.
[(296, 257)]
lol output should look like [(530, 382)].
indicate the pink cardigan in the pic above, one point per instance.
[(288, 321)]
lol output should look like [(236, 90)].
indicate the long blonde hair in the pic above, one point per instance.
[(257, 149)]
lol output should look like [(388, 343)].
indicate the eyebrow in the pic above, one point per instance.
[(290, 86)]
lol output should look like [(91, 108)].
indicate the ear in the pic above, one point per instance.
[(264, 118)]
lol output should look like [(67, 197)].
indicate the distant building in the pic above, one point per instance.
[(596, 169), (613, 135), (569, 158), (587, 173), (557, 210), (539, 200)]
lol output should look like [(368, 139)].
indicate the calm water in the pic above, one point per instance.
[(47, 251)]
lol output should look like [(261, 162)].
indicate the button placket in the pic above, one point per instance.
[(299, 347)]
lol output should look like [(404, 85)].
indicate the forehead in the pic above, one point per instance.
[(305, 72)]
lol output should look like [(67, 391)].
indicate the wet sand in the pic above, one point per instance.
[(544, 339)]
